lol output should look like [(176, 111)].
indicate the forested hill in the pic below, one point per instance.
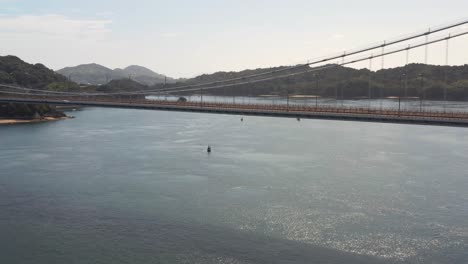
[(352, 83), (15, 71)]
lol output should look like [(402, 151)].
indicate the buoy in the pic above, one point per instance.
[(208, 149), (298, 119), (242, 119)]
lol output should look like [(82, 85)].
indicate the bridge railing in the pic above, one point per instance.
[(423, 113)]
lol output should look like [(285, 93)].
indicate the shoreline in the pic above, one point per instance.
[(5, 121)]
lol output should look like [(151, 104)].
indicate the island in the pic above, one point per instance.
[(16, 113)]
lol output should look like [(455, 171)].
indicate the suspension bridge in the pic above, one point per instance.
[(157, 99)]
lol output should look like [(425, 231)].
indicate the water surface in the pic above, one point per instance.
[(136, 186)]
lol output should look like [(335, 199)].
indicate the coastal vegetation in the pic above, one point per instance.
[(23, 111), (418, 80)]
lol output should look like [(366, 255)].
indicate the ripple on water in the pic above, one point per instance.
[(189, 178), (38, 156), (244, 192), (347, 232)]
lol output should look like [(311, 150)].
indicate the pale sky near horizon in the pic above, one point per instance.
[(188, 38)]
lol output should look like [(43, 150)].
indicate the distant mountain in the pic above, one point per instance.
[(88, 74), (142, 71), (121, 85), (15, 71), (96, 74)]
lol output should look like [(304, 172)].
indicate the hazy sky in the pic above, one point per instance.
[(187, 38)]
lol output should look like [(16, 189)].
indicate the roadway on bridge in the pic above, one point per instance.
[(291, 111)]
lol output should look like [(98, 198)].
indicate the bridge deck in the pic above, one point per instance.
[(292, 111)]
